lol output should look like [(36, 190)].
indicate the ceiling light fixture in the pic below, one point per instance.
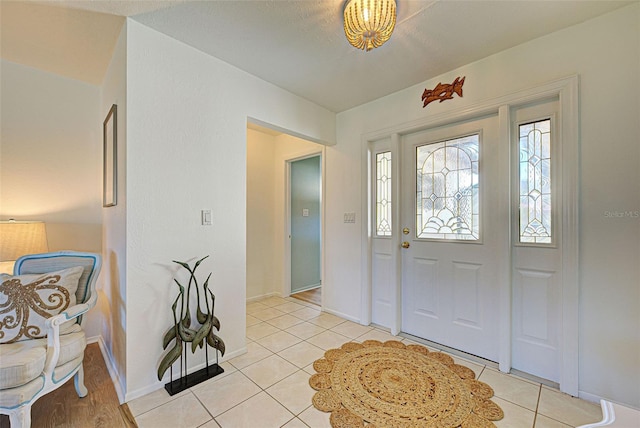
[(368, 24)]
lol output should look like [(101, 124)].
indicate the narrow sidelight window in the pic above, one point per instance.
[(535, 182), (383, 194)]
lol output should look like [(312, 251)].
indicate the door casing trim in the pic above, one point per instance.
[(567, 91)]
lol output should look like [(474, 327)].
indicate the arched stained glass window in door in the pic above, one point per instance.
[(447, 201)]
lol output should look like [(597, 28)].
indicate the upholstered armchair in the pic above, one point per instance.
[(41, 338)]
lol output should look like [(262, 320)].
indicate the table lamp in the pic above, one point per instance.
[(18, 238)]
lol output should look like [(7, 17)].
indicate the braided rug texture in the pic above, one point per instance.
[(395, 385)]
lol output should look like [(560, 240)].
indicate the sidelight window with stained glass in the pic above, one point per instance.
[(447, 191), (383, 194), (535, 182)]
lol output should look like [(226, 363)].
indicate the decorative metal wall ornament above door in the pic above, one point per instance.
[(443, 92)]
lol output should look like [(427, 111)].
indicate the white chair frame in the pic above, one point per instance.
[(86, 297)]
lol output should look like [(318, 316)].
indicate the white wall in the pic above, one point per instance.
[(261, 259), (51, 158), (113, 293), (186, 151), (605, 52)]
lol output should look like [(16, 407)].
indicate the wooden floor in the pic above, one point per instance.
[(100, 408), (312, 296)]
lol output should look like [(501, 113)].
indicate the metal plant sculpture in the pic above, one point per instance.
[(182, 330)]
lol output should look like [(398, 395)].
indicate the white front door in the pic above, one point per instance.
[(455, 226), (503, 290)]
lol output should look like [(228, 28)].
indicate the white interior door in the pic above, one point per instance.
[(455, 231)]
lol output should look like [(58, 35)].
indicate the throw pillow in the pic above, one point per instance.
[(26, 301)]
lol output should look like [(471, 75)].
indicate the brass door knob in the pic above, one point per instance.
[(405, 230), (405, 244)]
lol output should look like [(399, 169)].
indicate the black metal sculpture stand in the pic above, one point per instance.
[(186, 381), (182, 332)]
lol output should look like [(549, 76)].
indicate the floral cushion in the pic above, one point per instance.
[(26, 301)]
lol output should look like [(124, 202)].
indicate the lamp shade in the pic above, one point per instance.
[(18, 238), (368, 24)]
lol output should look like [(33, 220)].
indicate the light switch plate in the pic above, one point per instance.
[(305, 212), (206, 217), (349, 217)]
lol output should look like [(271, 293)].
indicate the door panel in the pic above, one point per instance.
[(425, 297), (466, 288), (420, 301), (383, 288), (450, 287), (536, 274), (535, 322)]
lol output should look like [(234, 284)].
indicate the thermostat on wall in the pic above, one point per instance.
[(349, 217)]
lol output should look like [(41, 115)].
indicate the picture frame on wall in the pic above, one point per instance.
[(109, 160)]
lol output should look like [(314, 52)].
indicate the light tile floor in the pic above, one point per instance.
[(268, 386)]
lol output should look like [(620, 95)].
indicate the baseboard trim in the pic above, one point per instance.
[(587, 396), (263, 296), (113, 373), (341, 315), (160, 384)]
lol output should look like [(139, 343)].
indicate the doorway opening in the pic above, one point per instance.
[(269, 264), (305, 227), (313, 296)]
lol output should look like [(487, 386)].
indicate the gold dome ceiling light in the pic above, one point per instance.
[(368, 24)]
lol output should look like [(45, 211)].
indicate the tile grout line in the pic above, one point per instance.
[(172, 398), (299, 369), (205, 409), (251, 380), (239, 403), (535, 414), (282, 404), (295, 416)]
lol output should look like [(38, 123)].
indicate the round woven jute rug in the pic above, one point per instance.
[(393, 385)]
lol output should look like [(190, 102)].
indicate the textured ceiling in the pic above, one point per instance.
[(300, 45)]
